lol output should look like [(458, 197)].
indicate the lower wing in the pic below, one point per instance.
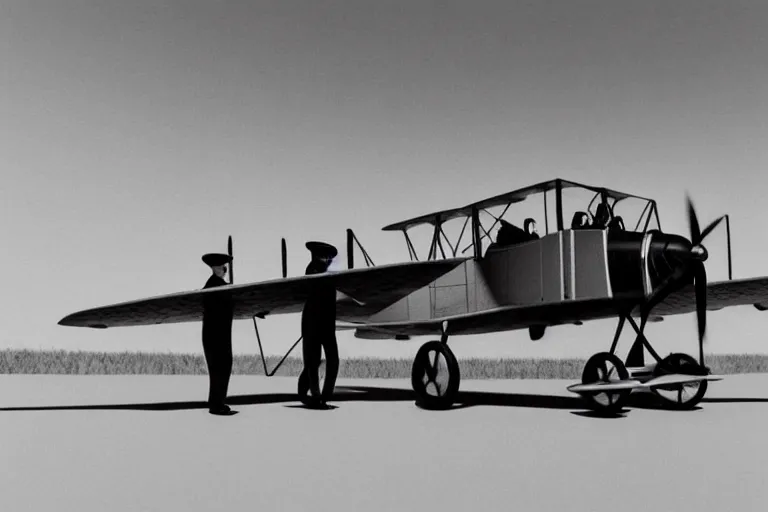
[(504, 318), (371, 290), (742, 292)]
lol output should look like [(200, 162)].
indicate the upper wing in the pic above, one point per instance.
[(375, 287)]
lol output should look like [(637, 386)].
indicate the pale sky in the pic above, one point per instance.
[(136, 136)]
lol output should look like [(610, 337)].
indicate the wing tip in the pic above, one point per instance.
[(70, 321)]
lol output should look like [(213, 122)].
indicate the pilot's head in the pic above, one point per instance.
[(580, 220), (322, 253), (218, 263), (504, 233), (530, 227)]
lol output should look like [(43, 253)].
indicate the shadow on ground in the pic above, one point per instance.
[(343, 394)]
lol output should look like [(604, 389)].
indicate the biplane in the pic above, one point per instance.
[(611, 261)]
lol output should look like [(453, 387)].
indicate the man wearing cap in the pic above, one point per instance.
[(217, 335), (318, 329)]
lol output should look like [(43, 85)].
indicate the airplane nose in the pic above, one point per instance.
[(699, 252)]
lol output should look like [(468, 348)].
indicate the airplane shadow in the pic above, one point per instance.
[(735, 400), (465, 399)]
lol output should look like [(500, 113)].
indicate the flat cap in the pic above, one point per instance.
[(214, 259), (322, 250)]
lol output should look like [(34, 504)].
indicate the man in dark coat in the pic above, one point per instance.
[(318, 329), (217, 335)]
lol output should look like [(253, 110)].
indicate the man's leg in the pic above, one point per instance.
[(225, 366), (331, 364), (311, 351), (218, 372), (210, 362)]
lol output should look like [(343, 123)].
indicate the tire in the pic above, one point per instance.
[(435, 378), (605, 367), (680, 396)]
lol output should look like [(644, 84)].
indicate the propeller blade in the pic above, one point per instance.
[(693, 221), (700, 277), (711, 227)]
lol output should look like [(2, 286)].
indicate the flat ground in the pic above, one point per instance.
[(96, 443)]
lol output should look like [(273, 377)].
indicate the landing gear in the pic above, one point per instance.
[(606, 383), (435, 375), (605, 367), (685, 395)]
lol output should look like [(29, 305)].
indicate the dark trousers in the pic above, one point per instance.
[(217, 347), (311, 348)]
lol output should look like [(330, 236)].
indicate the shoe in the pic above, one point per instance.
[(311, 401), (221, 410), (320, 405)]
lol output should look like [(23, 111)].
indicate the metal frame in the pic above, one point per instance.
[(261, 352), (351, 241), (728, 235), (624, 317), (644, 252), (436, 244), (479, 232), (231, 261)]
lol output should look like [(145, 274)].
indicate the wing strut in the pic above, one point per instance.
[(231, 263), (261, 352), (351, 240)]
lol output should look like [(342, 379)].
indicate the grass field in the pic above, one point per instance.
[(105, 363)]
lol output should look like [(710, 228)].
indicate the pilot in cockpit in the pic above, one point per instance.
[(602, 216), (580, 221), (530, 229)]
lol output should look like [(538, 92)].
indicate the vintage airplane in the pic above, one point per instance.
[(594, 269)]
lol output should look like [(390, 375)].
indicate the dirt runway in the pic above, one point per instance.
[(147, 443)]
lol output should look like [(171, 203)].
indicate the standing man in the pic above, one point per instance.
[(318, 329), (217, 335)]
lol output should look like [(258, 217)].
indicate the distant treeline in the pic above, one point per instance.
[(141, 363)]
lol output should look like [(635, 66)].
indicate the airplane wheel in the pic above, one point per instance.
[(605, 367), (303, 386), (680, 396), (435, 376)]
